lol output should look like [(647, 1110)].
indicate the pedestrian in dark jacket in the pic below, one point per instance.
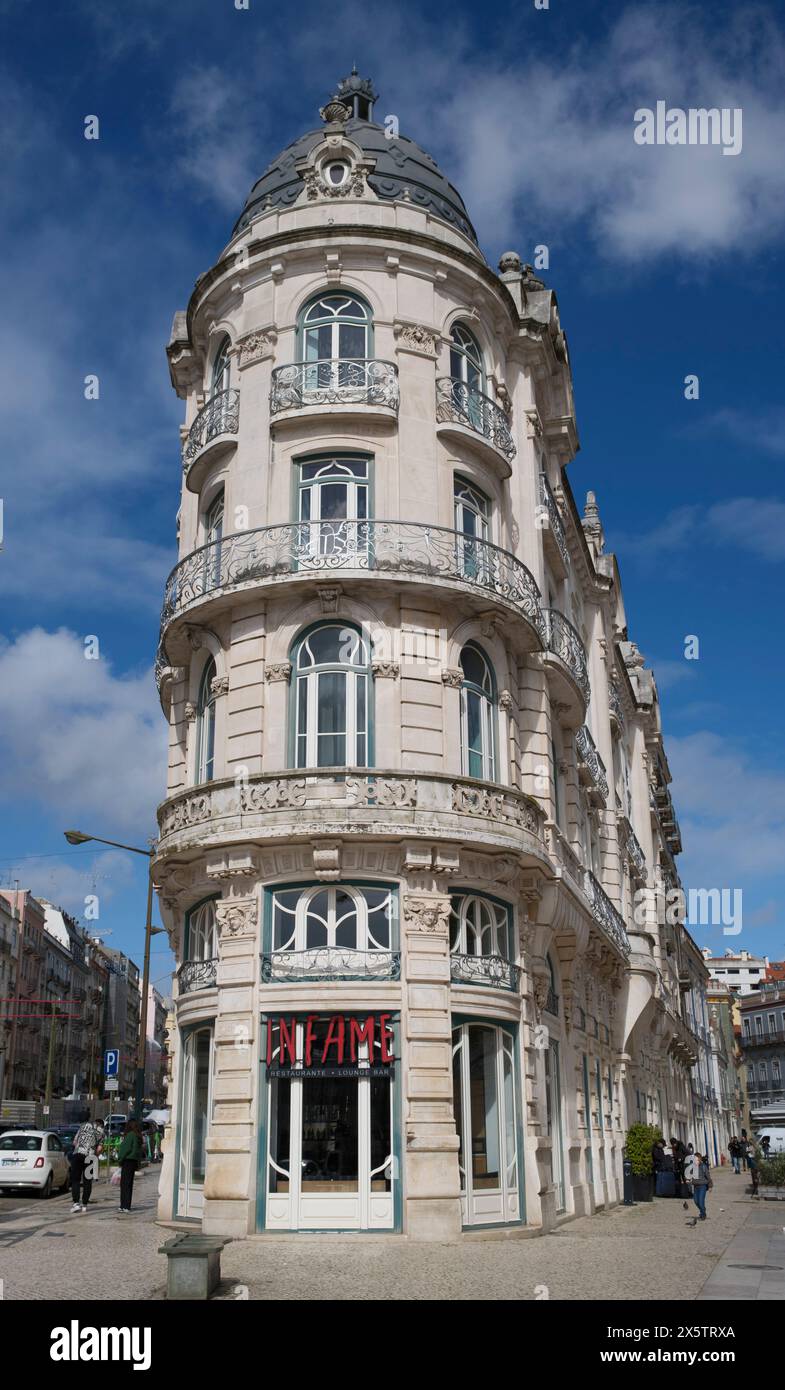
[(657, 1154), (679, 1155), (734, 1149), (129, 1156), (697, 1172)]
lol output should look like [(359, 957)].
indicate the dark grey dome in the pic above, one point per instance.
[(402, 170)]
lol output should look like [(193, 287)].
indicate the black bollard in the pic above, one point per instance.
[(627, 1171)]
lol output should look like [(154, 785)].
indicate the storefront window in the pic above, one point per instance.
[(330, 1123), (195, 1114)]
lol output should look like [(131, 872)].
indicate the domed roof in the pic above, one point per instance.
[(402, 169)]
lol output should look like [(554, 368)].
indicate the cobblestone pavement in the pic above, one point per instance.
[(647, 1252)]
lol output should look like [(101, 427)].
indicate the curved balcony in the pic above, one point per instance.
[(461, 410), (337, 385), (591, 768), (493, 971), (326, 963), (301, 804), (554, 534), (373, 551), (605, 914), (213, 430), (567, 665), (197, 974)]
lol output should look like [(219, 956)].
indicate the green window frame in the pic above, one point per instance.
[(331, 698)]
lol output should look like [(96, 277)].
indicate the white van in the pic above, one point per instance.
[(776, 1137)]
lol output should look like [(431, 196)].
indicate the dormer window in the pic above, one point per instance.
[(336, 173)]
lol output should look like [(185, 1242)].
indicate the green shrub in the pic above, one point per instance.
[(772, 1171), (640, 1140)]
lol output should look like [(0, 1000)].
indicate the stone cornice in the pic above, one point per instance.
[(351, 234)]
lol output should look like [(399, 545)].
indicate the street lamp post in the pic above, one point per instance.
[(75, 837)]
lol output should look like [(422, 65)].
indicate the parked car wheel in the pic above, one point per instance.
[(46, 1190)]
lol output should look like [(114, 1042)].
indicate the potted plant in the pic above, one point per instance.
[(640, 1141)]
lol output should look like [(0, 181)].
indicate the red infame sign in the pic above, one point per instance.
[(343, 1035)]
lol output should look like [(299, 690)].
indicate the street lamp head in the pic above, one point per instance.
[(75, 837)]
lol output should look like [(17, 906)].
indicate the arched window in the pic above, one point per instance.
[(472, 517), (478, 700), (221, 368), (336, 918), (333, 507), (552, 1002), (466, 358), (480, 927), (332, 696), (202, 942), (205, 726), (213, 533), (335, 326)]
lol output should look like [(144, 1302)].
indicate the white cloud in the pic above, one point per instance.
[(731, 811), (77, 740), (754, 524), (68, 881)]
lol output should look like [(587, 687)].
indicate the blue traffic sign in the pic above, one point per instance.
[(111, 1061)]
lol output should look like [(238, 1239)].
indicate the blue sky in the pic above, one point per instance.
[(666, 262)]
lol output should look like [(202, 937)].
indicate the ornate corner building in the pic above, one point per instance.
[(416, 772)]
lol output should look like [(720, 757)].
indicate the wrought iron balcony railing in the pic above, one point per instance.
[(565, 642), (635, 854), (220, 415), (606, 915), (770, 1035), (197, 974), (334, 381), (555, 522), (590, 760), (614, 701), (330, 963), (552, 1003), (404, 548), (484, 970), (457, 403)]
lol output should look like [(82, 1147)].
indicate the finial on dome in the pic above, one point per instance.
[(358, 94)]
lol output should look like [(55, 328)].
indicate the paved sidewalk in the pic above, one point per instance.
[(650, 1252)]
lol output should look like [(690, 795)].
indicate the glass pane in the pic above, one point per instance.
[(316, 922), (325, 646), (485, 1138), (318, 345), (457, 1102), (351, 341), (510, 1146), (379, 908), (332, 702), (333, 501), (362, 503), (381, 1133), (345, 920), (201, 1053), (329, 1135), (280, 1132), (302, 709), (305, 504)]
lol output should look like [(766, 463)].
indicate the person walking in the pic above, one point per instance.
[(743, 1142), (129, 1157), (679, 1155), (697, 1172), (734, 1149), (752, 1164), (84, 1161)]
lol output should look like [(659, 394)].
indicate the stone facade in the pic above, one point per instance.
[(496, 796)]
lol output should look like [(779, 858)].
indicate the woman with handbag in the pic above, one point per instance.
[(698, 1174), (129, 1157)]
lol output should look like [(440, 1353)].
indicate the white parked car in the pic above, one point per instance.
[(34, 1159)]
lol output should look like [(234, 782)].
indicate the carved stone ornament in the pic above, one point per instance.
[(386, 670), (381, 791), (506, 702), (189, 711), (278, 670), (327, 860), (452, 676), (328, 597), (416, 337), (540, 986), (272, 796), (187, 811), (426, 914), (335, 111), (237, 916), (255, 346), (317, 187), (219, 685)]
